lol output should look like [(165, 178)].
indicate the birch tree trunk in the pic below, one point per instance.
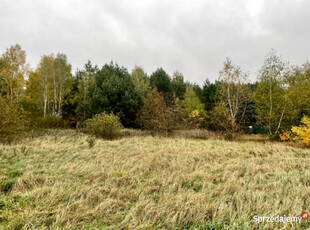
[(45, 100), (55, 95), (270, 101)]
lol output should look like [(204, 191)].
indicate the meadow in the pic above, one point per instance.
[(201, 181)]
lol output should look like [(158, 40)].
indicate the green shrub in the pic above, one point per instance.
[(104, 125)]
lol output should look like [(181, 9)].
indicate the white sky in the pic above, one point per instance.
[(191, 36)]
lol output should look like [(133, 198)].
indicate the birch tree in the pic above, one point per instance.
[(45, 72), (233, 96), (85, 85), (272, 96), (14, 71), (64, 81), (56, 80)]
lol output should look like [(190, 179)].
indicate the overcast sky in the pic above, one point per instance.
[(191, 36)]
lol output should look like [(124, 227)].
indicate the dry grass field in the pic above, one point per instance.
[(57, 181)]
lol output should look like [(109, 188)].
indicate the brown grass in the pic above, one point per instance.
[(144, 182)]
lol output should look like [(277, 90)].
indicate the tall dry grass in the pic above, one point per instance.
[(144, 182)]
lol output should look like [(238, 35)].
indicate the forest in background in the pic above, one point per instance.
[(50, 96)]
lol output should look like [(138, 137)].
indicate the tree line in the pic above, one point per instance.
[(51, 96)]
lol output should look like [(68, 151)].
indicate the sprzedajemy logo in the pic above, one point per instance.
[(280, 219)]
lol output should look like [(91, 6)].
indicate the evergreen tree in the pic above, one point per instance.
[(210, 94), (114, 91), (178, 85), (162, 82)]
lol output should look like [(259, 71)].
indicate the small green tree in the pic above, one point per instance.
[(156, 116), (178, 85), (193, 109), (107, 126), (140, 80), (210, 94), (13, 122)]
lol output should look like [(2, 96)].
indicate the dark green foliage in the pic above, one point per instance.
[(8, 185), (162, 82), (115, 92), (69, 106), (104, 125), (209, 94), (90, 68), (76, 105)]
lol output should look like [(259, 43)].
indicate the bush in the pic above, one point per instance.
[(229, 136), (50, 122), (104, 125), (13, 122), (303, 132), (285, 136)]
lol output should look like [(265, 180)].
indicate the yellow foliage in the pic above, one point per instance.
[(303, 132), (286, 136), (195, 118), (195, 114)]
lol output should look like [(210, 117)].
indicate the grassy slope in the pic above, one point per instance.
[(150, 182)]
